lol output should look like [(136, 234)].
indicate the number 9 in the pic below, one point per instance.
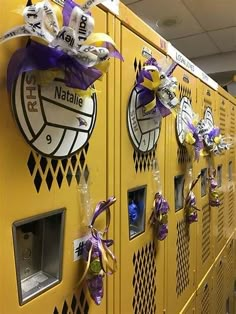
[(49, 139)]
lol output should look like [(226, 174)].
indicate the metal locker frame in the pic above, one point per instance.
[(181, 241), (190, 306), (206, 97), (141, 258), (219, 284), (50, 184), (229, 277), (205, 297)]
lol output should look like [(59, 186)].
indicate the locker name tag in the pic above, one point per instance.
[(78, 247), (146, 52)]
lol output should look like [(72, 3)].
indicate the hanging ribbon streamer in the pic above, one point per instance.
[(214, 193), (96, 253), (190, 203), (213, 141), (159, 216), (157, 88), (74, 49), (193, 139)]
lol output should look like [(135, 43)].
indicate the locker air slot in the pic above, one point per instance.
[(136, 211), (179, 190), (38, 244), (219, 176), (203, 182), (230, 171)]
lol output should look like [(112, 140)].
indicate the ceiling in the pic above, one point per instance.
[(198, 28)]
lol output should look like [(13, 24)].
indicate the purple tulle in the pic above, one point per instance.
[(94, 279), (159, 216), (40, 57)]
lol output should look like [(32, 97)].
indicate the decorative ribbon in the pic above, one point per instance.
[(193, 138), (213, 141), (159, 216), (190, 203), (96, 252), (214, 193), (157, 89), (74, 49)]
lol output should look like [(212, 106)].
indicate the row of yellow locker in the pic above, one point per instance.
[(194, 262)]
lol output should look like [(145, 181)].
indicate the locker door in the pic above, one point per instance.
[(141, 256), (205, 298), (219, 286), (229, 276), (220, 118), (190, 307), (32, 185), (181, 242), (206, 99), (230, 173)]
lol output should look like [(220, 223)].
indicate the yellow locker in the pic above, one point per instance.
[(181, 242), (219, 285), (230, 169), (205, 298), (219, 216), (141, 265), (32, 185), (206, 98), (190, 307), (229, 276)]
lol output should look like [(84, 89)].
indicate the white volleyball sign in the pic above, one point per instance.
[(53, 118), (144, 128), (184, 117)]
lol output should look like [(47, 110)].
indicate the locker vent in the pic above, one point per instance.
[(182, 258), (144, 280), (220, 288), (49, 171), (137, 67), (229, 267), (220, 219), (143, 162), (76, 304), (232, 127), (222, 123), (231, 206), (205, 301), (182, 155), (206, 231), (185, 91)]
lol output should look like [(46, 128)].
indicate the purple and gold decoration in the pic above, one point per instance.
[(190, 207), (187, 128), (152, 97), (214, 193), (157, 88), (73, 49), (214, 142), (96, 253), (159, 216), (51, 80)]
